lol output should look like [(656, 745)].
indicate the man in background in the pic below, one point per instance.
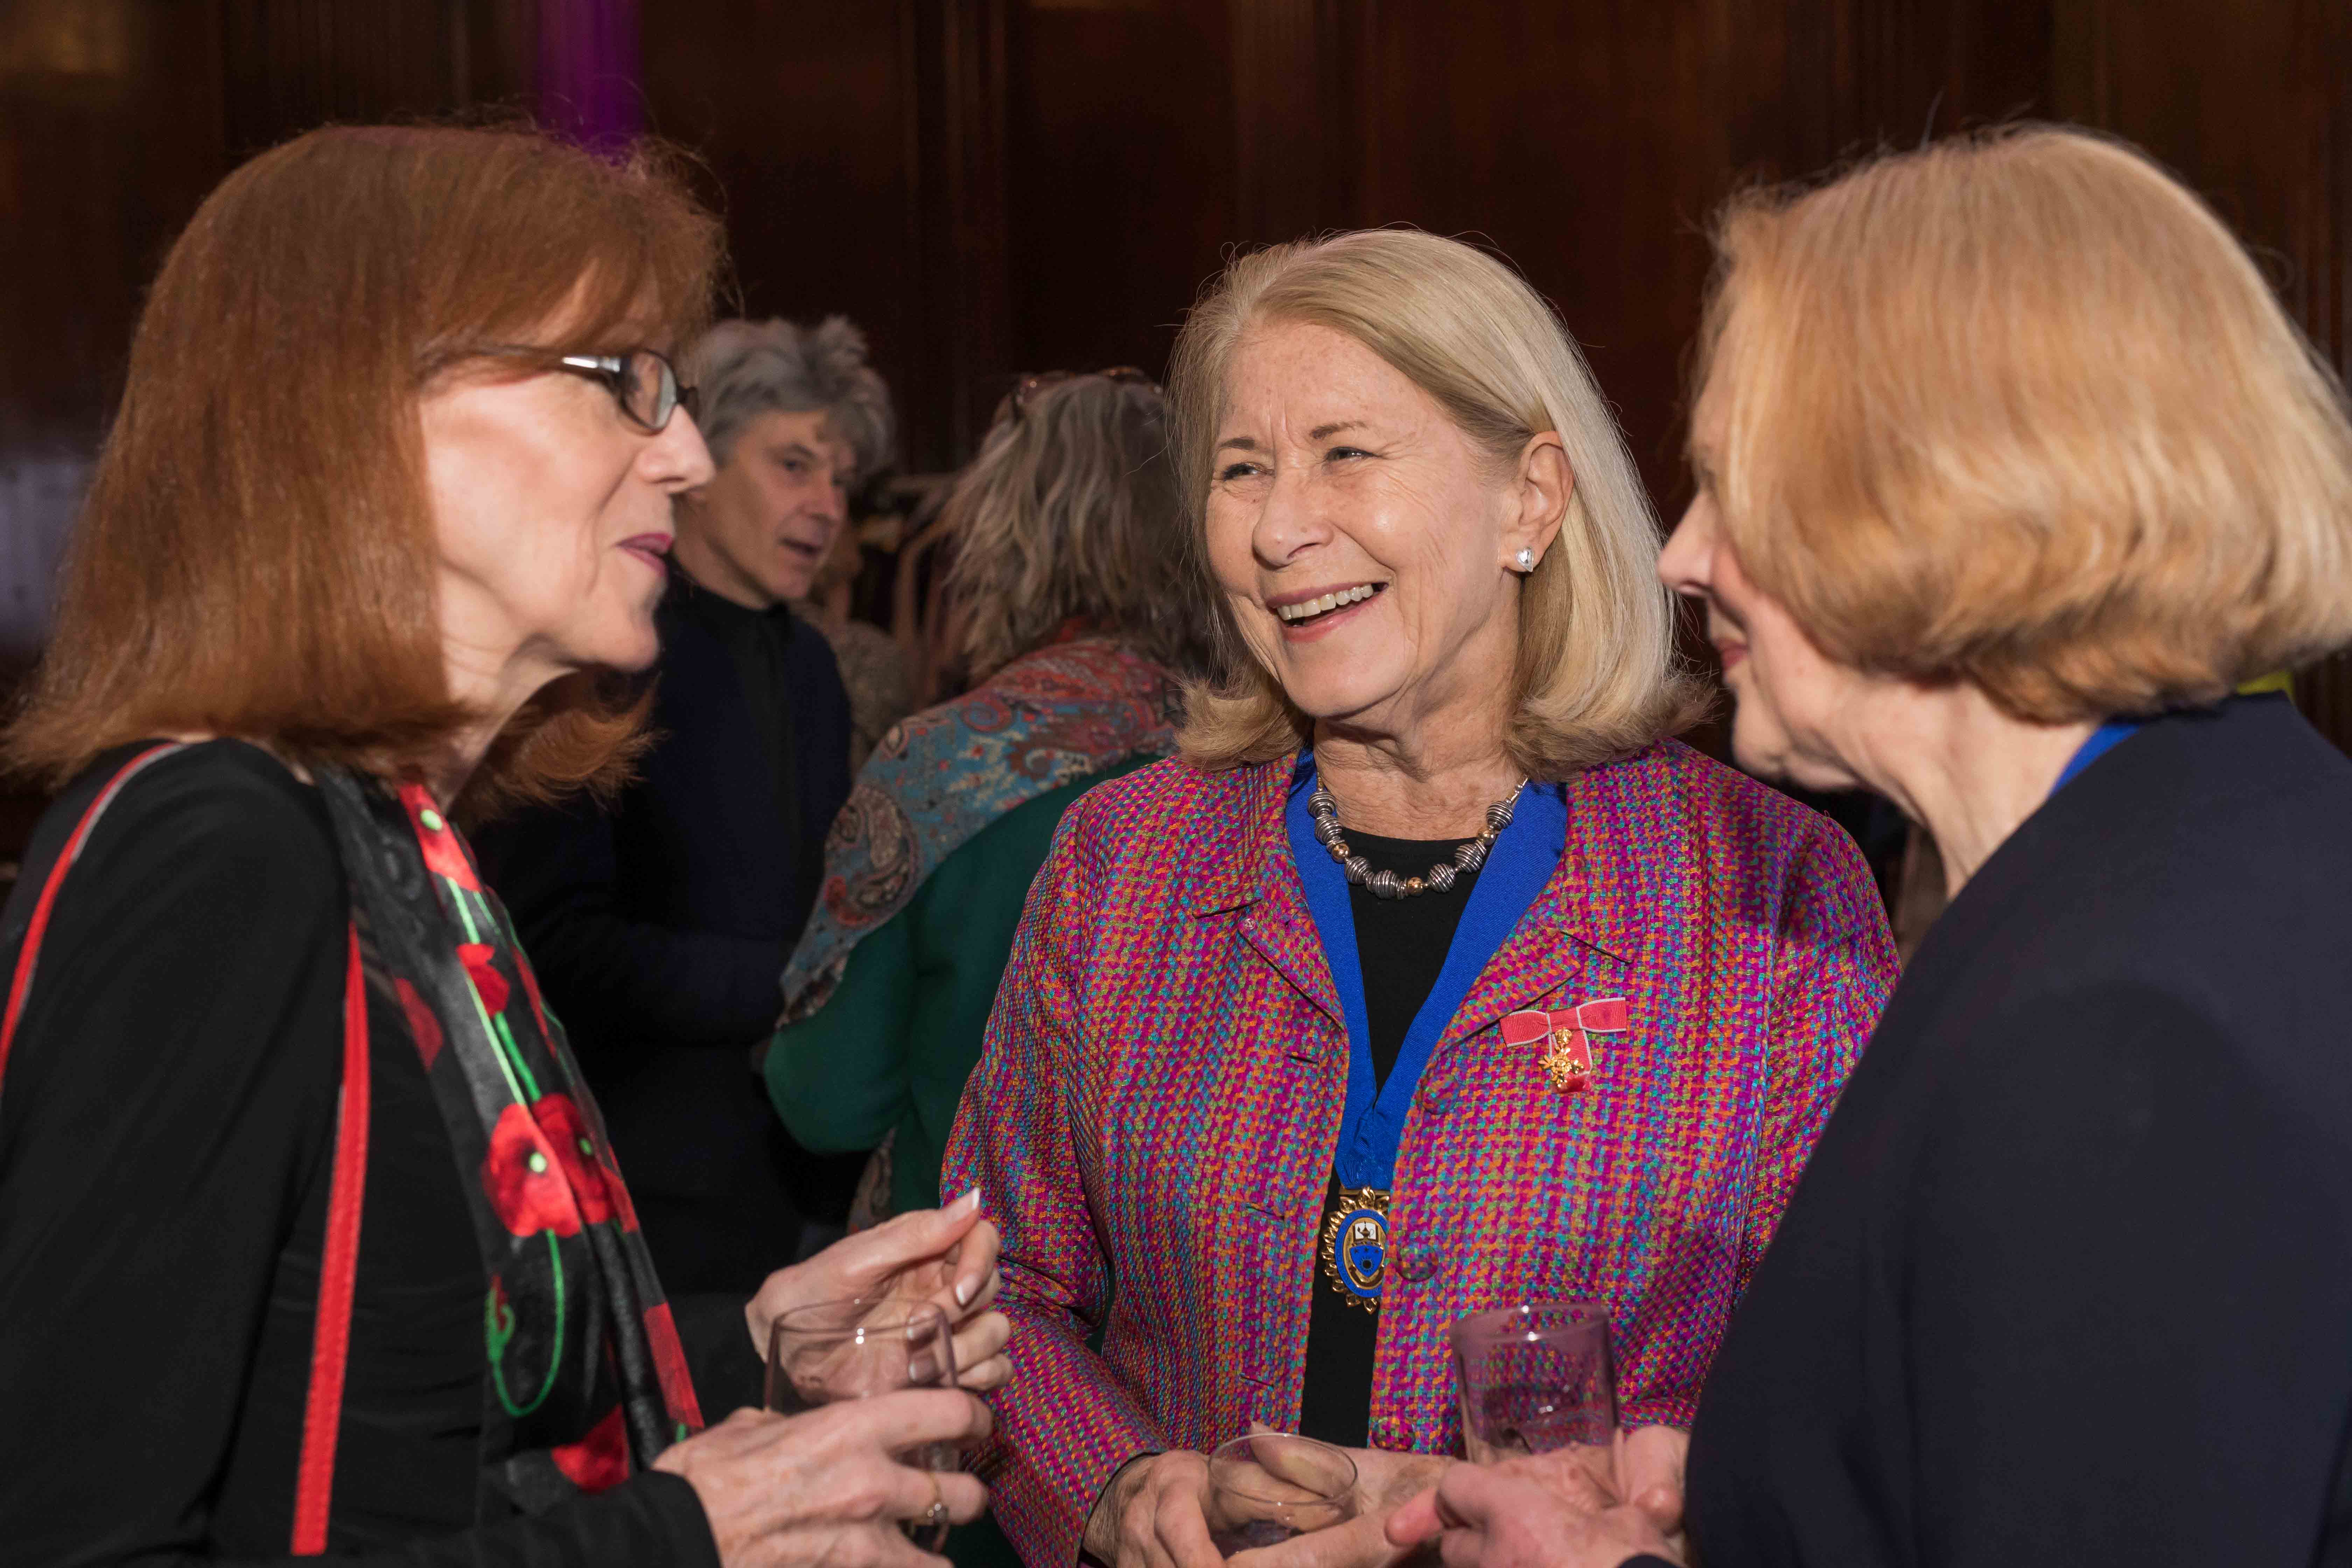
[(659, 925)]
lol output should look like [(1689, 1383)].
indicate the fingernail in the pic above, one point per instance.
[(963, 1292), (970, 1200)]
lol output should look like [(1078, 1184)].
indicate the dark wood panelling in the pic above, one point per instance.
[(1123, 172), (1566, 137), (2249, 106), (1590, 142), (992, 187), (109, 134), (116, 117), (967, 165), (290, 65), (857, 150), (801, 115)]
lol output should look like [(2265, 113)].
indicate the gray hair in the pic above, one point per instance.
[(744, 369)]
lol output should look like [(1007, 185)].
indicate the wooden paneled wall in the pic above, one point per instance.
[(993, 187), (116, 117)]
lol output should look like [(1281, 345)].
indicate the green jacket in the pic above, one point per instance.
[(893, 1045)]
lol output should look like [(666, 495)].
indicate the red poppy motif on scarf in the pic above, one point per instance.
[(423, 1027), (488, 981), (575, 1155), (444, 856), (600, 1459), (523, 1178)]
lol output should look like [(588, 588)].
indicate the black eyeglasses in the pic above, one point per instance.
[(642, 381), (1030, 386)]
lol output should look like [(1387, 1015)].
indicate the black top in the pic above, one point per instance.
[(2069, 1279), (166, 1129), (1401, 945), (761, 643), (660, 930)]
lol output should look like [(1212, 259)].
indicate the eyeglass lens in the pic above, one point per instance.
[(649, 388)]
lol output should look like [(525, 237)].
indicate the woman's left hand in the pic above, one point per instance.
[(943, 1256)]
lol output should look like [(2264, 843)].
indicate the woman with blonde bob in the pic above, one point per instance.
[(2010, 468), (1433, 976)]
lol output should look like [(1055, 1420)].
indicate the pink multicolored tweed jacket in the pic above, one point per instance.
[(1155, 1112)]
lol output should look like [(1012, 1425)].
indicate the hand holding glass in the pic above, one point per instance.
[(832, 1350), (1265, 1489)]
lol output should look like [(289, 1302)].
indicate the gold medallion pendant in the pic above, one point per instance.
[(1356, 1246)]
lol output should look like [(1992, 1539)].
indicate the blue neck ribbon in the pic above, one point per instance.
[(2103, 740), (1518, 868)]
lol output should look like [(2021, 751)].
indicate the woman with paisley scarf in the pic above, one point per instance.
[(311, 1239), (1075, 602)]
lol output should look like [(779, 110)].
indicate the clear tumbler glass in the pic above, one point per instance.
[(1265, 1489), (1535, 1377), (855, 1349)]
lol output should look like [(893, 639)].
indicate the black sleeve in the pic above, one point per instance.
[(556, 869), (652, 1521), (730, 1373), (828, 699), (168, 1104), (2127, 1291), (822, 732)]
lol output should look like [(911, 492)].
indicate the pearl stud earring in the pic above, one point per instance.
[(1527, 560)]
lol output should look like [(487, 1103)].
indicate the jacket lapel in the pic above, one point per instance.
[(1264, 885), (1589, 906)]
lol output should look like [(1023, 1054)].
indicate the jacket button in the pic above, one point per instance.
[(1416, 1263), (1434, 1100)]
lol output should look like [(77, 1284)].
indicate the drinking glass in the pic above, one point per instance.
[(1533, 1378), (1265, 1489), (855, 1349)]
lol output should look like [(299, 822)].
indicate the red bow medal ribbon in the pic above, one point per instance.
[(1563, 1034)]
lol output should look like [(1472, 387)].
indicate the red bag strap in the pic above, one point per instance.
[(331, 1334), (21, 985), (330, 1340)]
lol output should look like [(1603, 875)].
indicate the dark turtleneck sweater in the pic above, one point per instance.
[(660, 929)]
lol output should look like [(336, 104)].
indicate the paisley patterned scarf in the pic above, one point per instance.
[(1053, 715), (587, 1381)]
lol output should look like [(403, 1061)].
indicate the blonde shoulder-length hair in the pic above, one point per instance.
[(2017, 409), (1597, 677)]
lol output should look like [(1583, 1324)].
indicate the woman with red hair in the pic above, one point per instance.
[(310, 1238)]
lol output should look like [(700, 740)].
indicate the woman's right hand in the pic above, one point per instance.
[(793, 1491), (1153, 1514)]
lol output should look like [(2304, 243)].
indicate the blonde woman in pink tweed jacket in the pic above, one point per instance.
[(1433, 976)]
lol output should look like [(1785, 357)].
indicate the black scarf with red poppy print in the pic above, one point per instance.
[(585, 1380)]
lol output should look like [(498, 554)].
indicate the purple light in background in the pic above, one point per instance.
[(588, 70)]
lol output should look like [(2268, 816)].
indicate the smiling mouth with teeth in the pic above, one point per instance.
[(1314, 609)]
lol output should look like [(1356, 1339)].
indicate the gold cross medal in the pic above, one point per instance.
[(1565, 1036)]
